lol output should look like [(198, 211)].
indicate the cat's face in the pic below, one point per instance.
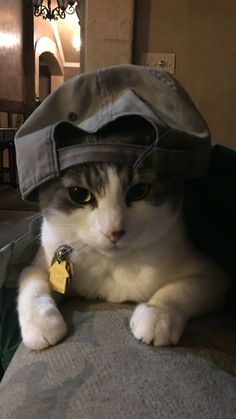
[(111, 209)]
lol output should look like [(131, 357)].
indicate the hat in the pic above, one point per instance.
[(89, 102)]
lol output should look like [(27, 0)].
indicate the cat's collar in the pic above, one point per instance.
[(61, 269)]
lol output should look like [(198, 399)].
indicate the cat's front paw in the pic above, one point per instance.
[(44, 329), (159, 327)]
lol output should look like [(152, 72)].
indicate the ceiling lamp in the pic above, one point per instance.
[(62, 8)]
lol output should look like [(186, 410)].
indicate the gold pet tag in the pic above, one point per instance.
[(59, 276), (60, 271)]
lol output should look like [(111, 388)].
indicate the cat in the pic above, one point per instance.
[(129, 242)]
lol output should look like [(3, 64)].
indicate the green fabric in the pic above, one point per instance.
[(13, 258), (9, 330), (210, 204)]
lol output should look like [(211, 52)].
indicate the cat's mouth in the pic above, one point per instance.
[(109, 249), (114, 250)]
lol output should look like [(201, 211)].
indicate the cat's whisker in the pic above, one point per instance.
[(62, 225), (79, 246)]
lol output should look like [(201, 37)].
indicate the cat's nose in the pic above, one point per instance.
[(114, 236)]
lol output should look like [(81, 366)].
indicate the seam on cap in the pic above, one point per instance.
[(106, 96), (53, 155), (102, 89), (107, 82)]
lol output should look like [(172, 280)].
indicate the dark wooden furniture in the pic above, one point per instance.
[(8, 173)]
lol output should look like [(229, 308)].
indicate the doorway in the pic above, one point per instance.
[(44, 79)]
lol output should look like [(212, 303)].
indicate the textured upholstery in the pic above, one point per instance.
[(100, 371)]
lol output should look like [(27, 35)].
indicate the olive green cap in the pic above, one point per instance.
[(92, 100)]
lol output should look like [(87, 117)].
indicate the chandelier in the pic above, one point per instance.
[(62, 8)]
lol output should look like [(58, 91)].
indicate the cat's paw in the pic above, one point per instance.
[(44, 329), (159, 327)]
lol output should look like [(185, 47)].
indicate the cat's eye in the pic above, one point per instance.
[(80, 196), (138, 192)]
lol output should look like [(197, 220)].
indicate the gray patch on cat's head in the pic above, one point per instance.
[(94, 176)]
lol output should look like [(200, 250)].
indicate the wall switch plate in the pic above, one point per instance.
[(166, 61)]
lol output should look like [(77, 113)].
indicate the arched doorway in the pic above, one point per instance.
[(49, 72), (44, 79)]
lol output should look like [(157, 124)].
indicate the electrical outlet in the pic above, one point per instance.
[(166, 61)]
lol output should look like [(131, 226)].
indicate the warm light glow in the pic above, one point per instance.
[(76, 42), (46, 44), (70, 20), (8, 40)]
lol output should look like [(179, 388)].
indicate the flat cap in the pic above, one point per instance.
[(91, 101)]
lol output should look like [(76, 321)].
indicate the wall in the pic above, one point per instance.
[(15, 54), (70, 72), (11, 40), (107, 29), (202, 34), (16, 58)]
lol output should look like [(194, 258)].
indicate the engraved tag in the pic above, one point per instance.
[(59, 276)]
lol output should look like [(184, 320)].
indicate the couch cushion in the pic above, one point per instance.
[(100, 371)]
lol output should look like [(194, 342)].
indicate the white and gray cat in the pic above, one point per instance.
[(129, 241)]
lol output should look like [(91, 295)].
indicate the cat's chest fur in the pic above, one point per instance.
[(134, 276)]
